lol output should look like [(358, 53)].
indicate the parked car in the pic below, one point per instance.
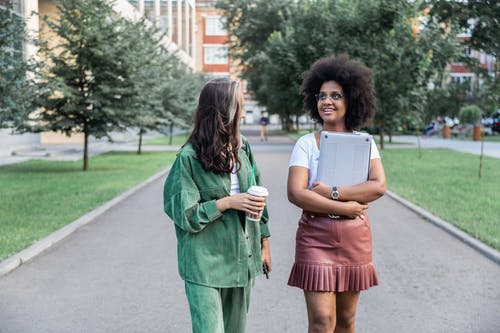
[(495, 124)]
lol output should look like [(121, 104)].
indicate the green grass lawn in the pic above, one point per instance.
[(177, 140), (446, 183), (39, 197)]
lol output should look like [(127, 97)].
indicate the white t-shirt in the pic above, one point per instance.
[(235, 183), (306, 154)]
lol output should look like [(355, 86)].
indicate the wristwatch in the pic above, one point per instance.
[(335, 193)]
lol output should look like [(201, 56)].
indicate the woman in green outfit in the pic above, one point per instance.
[(219, 252)]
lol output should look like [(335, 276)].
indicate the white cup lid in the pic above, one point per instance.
[(260, 191)]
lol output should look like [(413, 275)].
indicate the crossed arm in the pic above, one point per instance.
[(353, 200)]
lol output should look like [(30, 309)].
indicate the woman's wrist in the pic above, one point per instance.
[(222, 204)]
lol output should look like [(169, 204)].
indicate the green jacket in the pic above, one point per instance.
[(214, 249)]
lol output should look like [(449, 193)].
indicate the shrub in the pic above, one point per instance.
[(470, 114)]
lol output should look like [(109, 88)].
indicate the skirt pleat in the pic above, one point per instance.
[(333, 255)]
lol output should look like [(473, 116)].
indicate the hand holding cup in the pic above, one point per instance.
[(258, 191)]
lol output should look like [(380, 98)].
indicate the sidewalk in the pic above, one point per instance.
[(118, 272), (467, 146)]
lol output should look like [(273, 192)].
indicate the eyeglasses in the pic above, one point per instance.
[(323, 96)]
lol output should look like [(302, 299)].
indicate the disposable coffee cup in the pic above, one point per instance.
[(258, 191)]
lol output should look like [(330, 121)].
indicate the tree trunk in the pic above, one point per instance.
[(170, 134), (85, 151), (481, 158), (139, 148), (284, 124), (419, 145), (381, 139)]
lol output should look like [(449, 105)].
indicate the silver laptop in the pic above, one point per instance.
[(344, 158)]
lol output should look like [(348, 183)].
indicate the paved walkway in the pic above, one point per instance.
[(119, 272), (467, 146)]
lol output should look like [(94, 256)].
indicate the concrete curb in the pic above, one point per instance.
[(16, 260), (484, 249)]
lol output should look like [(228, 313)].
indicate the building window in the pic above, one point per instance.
[(149, 10), (465, 81), (163, 19), (214, 26), (461, 79), (217, 54), (134, 3), (163, 24)]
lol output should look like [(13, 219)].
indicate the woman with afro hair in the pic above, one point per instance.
[(333, 253)]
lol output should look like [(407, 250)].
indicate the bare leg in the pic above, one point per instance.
[(347, 303), (320, 311)]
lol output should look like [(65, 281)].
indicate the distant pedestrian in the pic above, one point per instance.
[(264, 122), (333, 254), (219, 252)]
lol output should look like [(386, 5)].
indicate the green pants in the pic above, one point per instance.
[(218, 310)]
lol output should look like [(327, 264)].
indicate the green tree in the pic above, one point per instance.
[(180, 96), (252, 23), (480, 20), (146, 62), (379, 32), (290, 52), (445, 101), (86, 85), (15, 83)]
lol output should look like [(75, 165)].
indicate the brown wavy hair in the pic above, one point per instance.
[(216, 133), (356, 80)]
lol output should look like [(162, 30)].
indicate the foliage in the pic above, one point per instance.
[(107, 74), (470, 114), (145, 73), (180, 95), (252, 23), (15, 84), (445, 101), (380, 33), (86, 85), (149, 67), (289, 52), (480, 20)]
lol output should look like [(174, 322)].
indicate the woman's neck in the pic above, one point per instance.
[(335, 128)]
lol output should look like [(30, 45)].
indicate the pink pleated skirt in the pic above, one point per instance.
[(333, 255)]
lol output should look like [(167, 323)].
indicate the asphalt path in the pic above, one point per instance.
[(119, 273)]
